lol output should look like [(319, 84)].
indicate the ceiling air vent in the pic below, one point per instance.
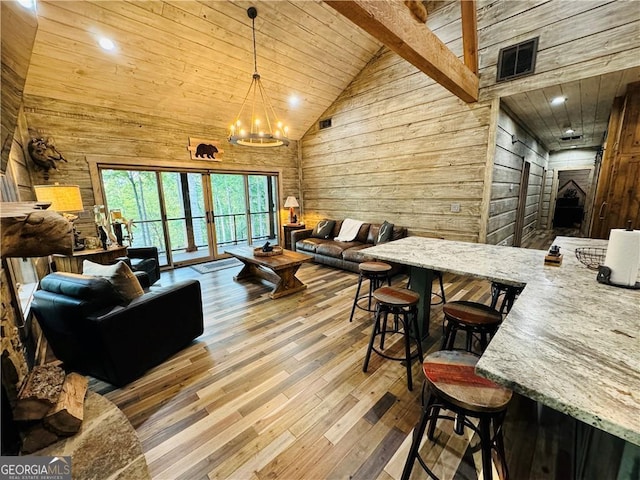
[(571, 137), (517, 60), (326, 123)]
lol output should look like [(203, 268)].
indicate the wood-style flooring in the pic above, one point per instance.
[(274, 389)]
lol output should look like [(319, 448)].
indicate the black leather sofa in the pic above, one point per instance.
[(92, 333), (344, 255)]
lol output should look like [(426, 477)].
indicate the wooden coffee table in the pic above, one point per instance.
[(278, 269)]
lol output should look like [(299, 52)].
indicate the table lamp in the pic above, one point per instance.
[(64, 199), (291, 203)]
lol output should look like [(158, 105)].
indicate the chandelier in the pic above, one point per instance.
[(262, 129)]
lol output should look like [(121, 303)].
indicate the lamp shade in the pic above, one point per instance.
[(63, 198), (291, 202)]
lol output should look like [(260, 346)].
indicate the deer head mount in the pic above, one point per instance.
[(45, 155)]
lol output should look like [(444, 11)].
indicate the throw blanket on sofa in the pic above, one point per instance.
[(349, 230)]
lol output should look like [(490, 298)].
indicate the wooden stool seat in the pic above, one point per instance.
[(375, 268), (402, 304), (396, 296), (471, 313), (473, 318), (452, 376), (376, 273), (454, 387)]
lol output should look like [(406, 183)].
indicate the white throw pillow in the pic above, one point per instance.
[(119, 275)]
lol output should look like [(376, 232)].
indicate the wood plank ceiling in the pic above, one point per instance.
[(191, 59), (586, 110), (194, 59)]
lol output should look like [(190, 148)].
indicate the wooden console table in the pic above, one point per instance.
[(73, 263)]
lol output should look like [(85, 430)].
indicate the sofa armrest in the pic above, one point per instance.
[(145, 259), (297, 235), (141, 335)]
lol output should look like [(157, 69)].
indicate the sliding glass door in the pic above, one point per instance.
[(192, 216), (244, 208), (136, 194), (185, 215)]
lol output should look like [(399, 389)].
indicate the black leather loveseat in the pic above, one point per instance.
[(92, 332)]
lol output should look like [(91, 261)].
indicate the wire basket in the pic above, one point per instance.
[(592, 257)]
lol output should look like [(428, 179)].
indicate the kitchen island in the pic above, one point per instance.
[(569, 342)]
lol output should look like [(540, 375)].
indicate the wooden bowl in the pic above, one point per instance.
[(257, 252)]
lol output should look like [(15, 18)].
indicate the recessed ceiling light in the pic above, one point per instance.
[(574, 146), (558, 100), (569, 130), (106, 43), (294, 100)]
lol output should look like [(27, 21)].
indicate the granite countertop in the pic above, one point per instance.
[(569, 342)]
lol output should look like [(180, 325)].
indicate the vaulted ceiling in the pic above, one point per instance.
[(194, 59), (190, 59)]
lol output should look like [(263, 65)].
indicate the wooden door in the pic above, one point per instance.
[(618, 195), (522, 204)]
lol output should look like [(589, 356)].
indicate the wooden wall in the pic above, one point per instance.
[(19, 26), (514, 146), (401, 148), (116, 135), (578, 39)]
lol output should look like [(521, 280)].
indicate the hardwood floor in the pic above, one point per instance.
[(274, 389)]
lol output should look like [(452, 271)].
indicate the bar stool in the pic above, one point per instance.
[(510, 293), (402, 303), (453, 385), (376, 273), (473, 318)]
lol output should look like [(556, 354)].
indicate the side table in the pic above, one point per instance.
[(73, 263), (288, 228)]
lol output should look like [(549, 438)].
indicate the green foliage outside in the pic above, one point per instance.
[(137, 195)]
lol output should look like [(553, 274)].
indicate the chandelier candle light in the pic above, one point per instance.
[(258, 131)]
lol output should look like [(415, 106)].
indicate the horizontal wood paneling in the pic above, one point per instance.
[(400, 148), (608, 28), (80, 132), (19, 26), (397, 137), (515, 145)]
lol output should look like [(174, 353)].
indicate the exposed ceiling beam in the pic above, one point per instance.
[(469, 34), (396, 28)]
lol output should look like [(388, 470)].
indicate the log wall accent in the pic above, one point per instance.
[(515, 145)]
